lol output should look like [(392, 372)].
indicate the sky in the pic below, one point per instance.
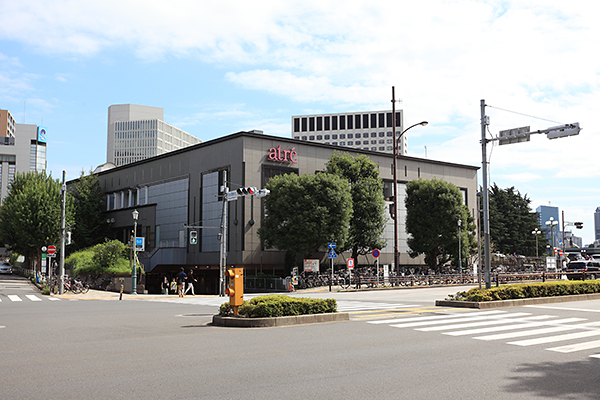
[(221, 67)]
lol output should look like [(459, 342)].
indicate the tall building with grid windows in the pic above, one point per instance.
[(364, 130), (138, 132), (22, 149)]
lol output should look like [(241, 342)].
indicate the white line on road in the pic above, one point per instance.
[(14, 297), (33, 297), (557, 338), (565, 308), (488, 321), (433, 317), (577, 347), (525, 323)]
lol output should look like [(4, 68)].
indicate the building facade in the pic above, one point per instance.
[(185, 188), (138, 132), (364, 130), (22, 149), (597, 225)]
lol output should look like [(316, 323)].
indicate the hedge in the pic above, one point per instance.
[(527, 291), (280, 305)]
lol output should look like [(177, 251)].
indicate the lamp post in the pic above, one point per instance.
[(459, 249), (552, 223), (536, 232), (135, 214), (395, 183)]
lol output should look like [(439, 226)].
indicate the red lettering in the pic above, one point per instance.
[(272, 154), (279, 153), (275, 154), (293, 154)]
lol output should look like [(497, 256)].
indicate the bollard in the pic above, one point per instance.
[(121, 294)]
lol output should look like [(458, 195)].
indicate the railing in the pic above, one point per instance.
[(263, 284)]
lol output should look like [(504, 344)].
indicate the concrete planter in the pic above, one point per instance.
[(516, 302), (241, 322)]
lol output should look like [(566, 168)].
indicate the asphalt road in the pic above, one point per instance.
[(397, 345)]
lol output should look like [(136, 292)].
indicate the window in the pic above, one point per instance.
[(365, 135), (389, 141), (296, 124), (388, 117), (390, 134), (319, 137), (357, 121), (304, 138), (342, 143), (304, 125), (334, 137), (350, 135), (350, 143), (390, 148), (334, 143), (327, 137), (357, 142), (381, 148), (342, 136), (381, 141), (327, 123), (373, 134), (319, 123), (349, 120), (373, 141), (297, 137), (381, 120), (381, 134), (373, 120), (311, 124), (311, 137), (398, 120), (373, 148), (365, 121), (334, 122)]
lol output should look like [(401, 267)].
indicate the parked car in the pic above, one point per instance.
[(5, 268), (591, 268)]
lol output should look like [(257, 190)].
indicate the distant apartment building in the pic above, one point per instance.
[(22, 149), (364, 130), (138, 132)]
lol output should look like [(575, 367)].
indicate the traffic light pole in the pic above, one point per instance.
[(61, 268), (223, 243)]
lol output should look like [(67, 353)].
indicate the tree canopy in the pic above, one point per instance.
[(368, 218), (30, 214), (433, 208), (305, 212), (90, 224), (512, 221)]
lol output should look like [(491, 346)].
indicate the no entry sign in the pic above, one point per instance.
[(51, 249)]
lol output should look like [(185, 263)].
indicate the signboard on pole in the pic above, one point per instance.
[(311, 265), (140, 244), (51, 249), (332, 254), (350, 263), (376, 253)]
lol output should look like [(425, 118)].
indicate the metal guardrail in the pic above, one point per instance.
[(505, 278)]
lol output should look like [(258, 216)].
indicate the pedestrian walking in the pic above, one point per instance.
[(190, 282), (174, 286), (164, 286), (181, 279)]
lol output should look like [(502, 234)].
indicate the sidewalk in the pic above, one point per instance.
[(107, 295)]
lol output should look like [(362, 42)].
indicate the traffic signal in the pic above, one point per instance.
[(68, 239), (235, 289), (193, 237), (564, 130), (579, 225), (246, 191), (262, 193)]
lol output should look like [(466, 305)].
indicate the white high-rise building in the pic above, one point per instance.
[(138, 132), (364, 130)]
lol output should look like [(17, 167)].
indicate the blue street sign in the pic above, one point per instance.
[(332, 254), (331, 245)]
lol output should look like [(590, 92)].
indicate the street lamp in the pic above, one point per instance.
[(552, 223), (536, 232), (459, 249), (135, 214), (395, 183)]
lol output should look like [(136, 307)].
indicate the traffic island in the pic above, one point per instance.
[(242, 322), (516, 302)]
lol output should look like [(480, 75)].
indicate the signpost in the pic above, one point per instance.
[(331, 256), (51, 249), (376, 253)]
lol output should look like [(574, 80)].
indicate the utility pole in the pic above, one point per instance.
[(223, 238), (61, 270), (486, 205)]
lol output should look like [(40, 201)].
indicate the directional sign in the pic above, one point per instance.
[(376, 253), (332, 254), (331, 245), (51, 249), (139, 244), (232, 196)]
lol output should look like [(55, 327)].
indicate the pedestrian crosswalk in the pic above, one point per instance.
[(27, 297), (515, 328), (348, 306)]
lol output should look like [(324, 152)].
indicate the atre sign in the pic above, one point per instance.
[(277, 154)]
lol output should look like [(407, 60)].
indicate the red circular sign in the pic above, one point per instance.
[(51, 249), (375, 253)]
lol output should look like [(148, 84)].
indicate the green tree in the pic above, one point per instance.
[(368, 218), (433, 208), (90, 223), (512, 221), (305, 212), (31, 212)]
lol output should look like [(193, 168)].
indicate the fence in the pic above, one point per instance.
[(263, 284)]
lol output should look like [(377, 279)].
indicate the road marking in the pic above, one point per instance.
[(487, 321), (565, 308), (577, 347), (541, 331), (33, 297), (557, 338), (14, 297), (53, 299), (595, 355), (525, 323), (444, 321), (345, 306), (431, 317)]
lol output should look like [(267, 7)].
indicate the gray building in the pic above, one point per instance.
[(138, 132), (184, 187), (22, 149), (597, 225), (363, 130)]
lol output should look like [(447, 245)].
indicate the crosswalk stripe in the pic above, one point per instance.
[(53, 299), (344, 306), (434, 317), (487, 322), (522, 324), (595, 355), (14, 297), (33, 297), (557, 338), (577, 347), (440, 322), (533, 332)]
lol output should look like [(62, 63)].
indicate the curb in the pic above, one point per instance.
[(516, 302), (240, 322)]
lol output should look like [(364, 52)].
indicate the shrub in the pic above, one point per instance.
[(527, 291), (280, 305)]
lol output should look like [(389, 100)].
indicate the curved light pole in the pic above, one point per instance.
[(135, 214), (537, 233), (395, 183), (552, 223)]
